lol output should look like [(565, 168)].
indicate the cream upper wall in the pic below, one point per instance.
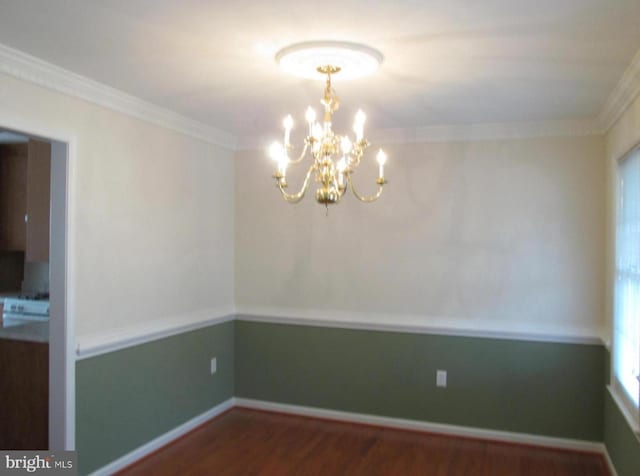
[(500, 235), (152, 208), (503, 235)]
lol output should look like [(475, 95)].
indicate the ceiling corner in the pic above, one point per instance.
[(29, 68), (622, 95)]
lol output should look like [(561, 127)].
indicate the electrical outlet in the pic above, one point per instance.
[(441, 378), (214, 365)]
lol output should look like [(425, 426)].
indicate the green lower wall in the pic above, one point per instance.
[(128, 397), (622, 445), (549, 389)]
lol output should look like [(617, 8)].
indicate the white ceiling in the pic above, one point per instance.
[(446, 61)]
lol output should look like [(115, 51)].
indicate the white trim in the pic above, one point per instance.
[(388, 422), (90, 346), (630, 419), (61, 359), (34, 70), (163, 440), (462, 133), (438, 428), (608, 460), (70, 298), (117, 339), (416, 324), (29, 68), (487, 131), (622, 95)]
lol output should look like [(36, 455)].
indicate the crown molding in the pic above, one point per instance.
[(488, 131), (463, 132), (622, 95), (28, 68)]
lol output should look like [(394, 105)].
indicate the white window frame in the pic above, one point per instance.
[(630, 409)]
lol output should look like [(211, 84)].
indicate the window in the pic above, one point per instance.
[(626, 326)]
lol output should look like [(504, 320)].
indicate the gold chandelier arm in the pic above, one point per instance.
[(370, 199), (299, 159), (296, 197)]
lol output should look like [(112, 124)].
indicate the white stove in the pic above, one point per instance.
[(18, 311)]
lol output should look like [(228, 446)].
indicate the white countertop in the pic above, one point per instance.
[(30, 331)]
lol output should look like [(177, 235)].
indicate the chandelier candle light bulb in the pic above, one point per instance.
[(345, 145), (282, 166), (275, 151), (279, 155), (334, 157), (310, 116), (382, 158)]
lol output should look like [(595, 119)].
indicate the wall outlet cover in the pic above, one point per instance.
[(214, 365), (441, 378)]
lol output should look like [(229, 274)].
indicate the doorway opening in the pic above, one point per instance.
[(35, 275)]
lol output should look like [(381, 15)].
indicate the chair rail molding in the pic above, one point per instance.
[(121, 338), (422, 324)]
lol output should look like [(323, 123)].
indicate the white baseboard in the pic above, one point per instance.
[(162, 440), (428, 427), (397, 423)]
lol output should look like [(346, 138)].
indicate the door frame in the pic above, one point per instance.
[(62, 357)]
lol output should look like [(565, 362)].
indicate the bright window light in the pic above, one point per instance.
[(626, 331)]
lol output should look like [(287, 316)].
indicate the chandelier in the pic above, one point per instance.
[(334, 157)]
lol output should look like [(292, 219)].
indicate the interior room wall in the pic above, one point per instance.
[(500, 235), (534, 388), (159, 386), (152, 212)]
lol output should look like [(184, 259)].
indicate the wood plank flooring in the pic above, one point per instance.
[(249, 442)]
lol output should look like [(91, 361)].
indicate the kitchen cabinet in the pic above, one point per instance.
[(13, 196), (38, 201), (24, 395), (25, 178)]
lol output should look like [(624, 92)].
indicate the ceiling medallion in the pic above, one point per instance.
[(334, 157)]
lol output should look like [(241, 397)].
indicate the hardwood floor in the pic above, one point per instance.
[(244, 441)]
